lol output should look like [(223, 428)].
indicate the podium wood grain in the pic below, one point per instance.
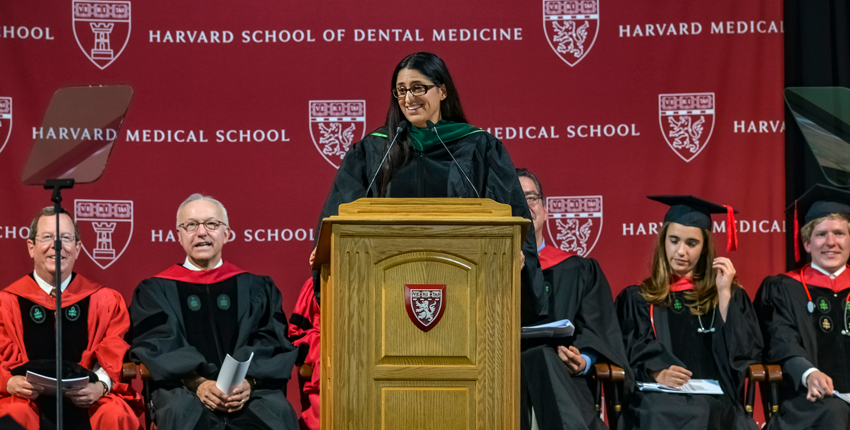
[(379, 370)]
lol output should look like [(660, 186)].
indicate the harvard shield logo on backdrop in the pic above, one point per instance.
[(335, 125), (687, 121), (5, 121), (425, 304), (574, 223), (105, 226), (102, 29), (571, 27)]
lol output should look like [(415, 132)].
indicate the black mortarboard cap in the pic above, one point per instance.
[(818, 202), (692, 211)]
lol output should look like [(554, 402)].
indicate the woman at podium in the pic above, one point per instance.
[(427, 148), (689, 327)]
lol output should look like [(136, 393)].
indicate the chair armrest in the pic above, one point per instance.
[(602, 371), (128, 372), (146, 376), (756, 373), (774, 372), (305, 371), (770, 389), (617, 374)]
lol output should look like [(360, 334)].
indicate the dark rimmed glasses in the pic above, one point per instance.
[(192, 226), (417, 90), (532, 199)]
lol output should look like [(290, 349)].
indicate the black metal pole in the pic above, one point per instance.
[(57, 185), (57, 249)]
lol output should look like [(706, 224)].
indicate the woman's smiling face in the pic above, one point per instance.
[(419, 109)]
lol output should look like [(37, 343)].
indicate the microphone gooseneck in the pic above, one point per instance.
[(401, 126), (433, 128)]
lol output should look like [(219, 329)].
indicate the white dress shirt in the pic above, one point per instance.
[(188, 264)]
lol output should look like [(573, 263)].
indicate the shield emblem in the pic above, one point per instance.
[(335, 125), (102, 29), (425, 304), (5, 121), (571, 27), (574, 223), (687, 121), (106, 226)]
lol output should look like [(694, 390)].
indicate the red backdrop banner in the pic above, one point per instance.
[(255, 103)]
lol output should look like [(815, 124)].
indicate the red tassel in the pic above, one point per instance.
[(731, 230), (796, 234)]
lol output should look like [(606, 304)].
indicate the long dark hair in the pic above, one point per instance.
[(433, 68), (656, 288)]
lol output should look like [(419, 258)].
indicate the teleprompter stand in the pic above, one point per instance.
[(57, 185), (58, 164)]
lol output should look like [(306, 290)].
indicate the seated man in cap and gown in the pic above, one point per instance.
[(187, 319), (804, 317), (95, 320), (689, 320), (556, 373)]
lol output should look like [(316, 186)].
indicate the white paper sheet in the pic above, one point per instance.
[(556, 324), (694, 386), (232, 373), (557, 329), (842, 396), (49, 384)]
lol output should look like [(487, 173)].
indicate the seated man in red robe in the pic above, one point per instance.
[(96, 319)]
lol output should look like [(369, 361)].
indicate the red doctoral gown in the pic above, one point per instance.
[(108, 321)]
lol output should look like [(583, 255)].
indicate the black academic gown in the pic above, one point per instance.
[(736, 343), (161, 343), (795, 339), (579, 292), (432, 173)]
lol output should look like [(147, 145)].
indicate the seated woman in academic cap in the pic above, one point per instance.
[(689, 320)]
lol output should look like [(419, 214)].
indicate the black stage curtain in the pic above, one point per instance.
[(817, 54)]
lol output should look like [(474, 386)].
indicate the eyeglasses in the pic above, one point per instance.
[(532, 199), (192, 226), (66, 238), (417, 90)]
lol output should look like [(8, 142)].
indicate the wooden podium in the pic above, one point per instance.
[(449, 359)]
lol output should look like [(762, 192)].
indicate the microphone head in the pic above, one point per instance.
[(430, 125), (401, 126)]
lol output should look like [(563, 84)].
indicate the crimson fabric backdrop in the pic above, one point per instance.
[(255, 104)]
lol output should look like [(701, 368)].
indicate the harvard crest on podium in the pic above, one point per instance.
[(425, 304)]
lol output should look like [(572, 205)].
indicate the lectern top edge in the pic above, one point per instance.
[(426, 206), (422, 210)]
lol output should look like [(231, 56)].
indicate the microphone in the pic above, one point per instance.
[(433, 128), (401, 126)]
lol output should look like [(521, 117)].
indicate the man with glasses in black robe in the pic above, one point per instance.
[(187, 319), (556, 373)]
